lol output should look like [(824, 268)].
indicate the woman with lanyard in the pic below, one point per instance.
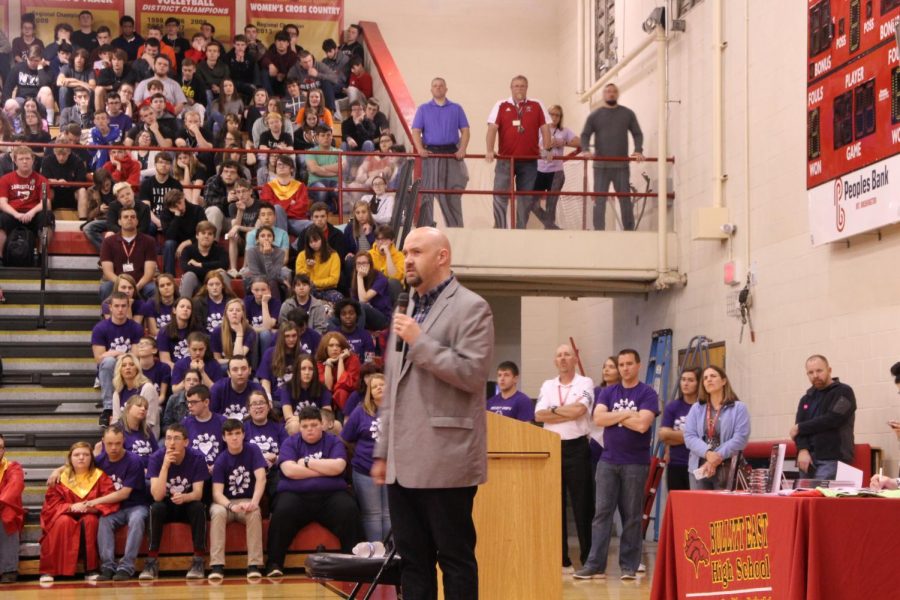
[(551, 175), (263, 429), (717, 428), (129, 381), (172, 339), (671, 430), (158, 312)]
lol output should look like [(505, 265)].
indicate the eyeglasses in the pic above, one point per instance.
[(258, 404)]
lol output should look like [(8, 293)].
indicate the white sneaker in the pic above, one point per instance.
[(46, 580)]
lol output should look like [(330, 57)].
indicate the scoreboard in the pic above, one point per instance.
[(853, 117)]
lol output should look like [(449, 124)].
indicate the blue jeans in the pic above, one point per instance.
[(94, 232), (105, 371), (136, 519), (169, 249), (9, 551), (822, 469), (525, 174), (295, 227), (373, 503), (317, 194), (618, 487)]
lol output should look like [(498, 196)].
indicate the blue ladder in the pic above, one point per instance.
[(659, 364), (696, 355)]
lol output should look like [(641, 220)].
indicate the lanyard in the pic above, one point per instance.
[(519, 109), (128, 252), (562, 399), (710, 422)]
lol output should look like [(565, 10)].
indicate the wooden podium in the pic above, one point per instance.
[(518, 513)]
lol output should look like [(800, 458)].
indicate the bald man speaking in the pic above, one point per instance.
[(432, 448)]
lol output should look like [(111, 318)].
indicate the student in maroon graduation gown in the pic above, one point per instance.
[(73, 505)]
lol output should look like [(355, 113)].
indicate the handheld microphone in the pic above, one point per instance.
[(402, 305)]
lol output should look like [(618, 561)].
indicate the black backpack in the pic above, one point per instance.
[(19, 248)]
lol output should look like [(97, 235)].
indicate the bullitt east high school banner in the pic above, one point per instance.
[(191, 13), (47, 13), (317, 20), (860, 201)]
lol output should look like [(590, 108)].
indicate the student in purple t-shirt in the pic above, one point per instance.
[(626, 410), (139, 437), (127, 473), (109, 339), (230, 394), (311, 488), (304, 389), (204, 427), (177, 475), (349, 314), (200, 357), (157, 312), (235, 336), (671, 430), (159, 373), (262, 311), (370, 288), (309, 337), (362, 431), (509, 401), (238, 483), (263, 430), (277, 363), (172, 339)]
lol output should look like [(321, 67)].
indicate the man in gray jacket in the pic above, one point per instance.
[(610, 125), (432, 446)]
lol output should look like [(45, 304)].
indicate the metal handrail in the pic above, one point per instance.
[(583, 158)]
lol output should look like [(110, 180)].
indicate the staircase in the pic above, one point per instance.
[(47, 398)]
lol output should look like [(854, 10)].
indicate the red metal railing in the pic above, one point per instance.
[(342, 188)]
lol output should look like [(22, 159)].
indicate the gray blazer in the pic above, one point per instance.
[(433, 424)]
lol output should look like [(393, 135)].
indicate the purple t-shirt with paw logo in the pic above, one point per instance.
[(181, 478), (225, 400), (267, 437), (237, 471), (621, 445), (674, 416), (205, 436), (128, 471), (295, 449)]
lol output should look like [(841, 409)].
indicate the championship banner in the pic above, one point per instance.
[(317, 20), (49, 13), (191, 13)]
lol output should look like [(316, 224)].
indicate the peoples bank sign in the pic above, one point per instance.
[(860, 201)]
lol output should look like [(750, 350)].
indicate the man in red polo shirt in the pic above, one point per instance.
[(20, 199), (518, 120)]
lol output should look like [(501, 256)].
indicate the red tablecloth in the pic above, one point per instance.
[(715, 545)]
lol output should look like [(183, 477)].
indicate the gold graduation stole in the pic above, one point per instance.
[(3, 464), (80, 485)]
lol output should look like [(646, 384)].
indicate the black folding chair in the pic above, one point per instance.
[(333, 566)]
